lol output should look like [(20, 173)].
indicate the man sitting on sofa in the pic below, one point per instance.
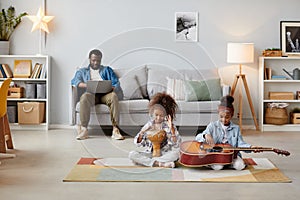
[(96, 71)]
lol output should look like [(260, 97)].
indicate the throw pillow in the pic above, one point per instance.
[(133, 82), (131, 88), (175, 88), (205, 90), (157, 79)]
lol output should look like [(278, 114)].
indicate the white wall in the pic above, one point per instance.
[(134, 32)]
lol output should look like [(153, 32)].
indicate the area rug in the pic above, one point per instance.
[(259, 170)]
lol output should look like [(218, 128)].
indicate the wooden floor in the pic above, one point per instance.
[(44, 158)]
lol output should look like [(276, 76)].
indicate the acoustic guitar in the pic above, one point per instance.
[(197, 154)]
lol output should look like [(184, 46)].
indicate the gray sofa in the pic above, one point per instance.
[(197, 92)]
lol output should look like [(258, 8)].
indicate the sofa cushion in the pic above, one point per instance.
[(204, 90), (175, 88), (133, 82), (197, 106), (157, 77)]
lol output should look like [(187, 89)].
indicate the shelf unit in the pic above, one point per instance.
[(43, 59), (265, 86)]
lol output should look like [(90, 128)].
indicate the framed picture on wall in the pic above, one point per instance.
[(290, 37), (186, 26)]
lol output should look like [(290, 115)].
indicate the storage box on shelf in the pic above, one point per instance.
[(281, 95), (39, 80), (295, 118), (31, 112), (277, 90)]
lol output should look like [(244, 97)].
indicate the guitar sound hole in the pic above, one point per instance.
[(215, 149)]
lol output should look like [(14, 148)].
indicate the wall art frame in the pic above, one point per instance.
[(290, 37), (22, 68), (186, 26)]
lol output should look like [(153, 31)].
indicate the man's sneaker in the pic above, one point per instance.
[(83, 134), (117, 135), (78, 129)]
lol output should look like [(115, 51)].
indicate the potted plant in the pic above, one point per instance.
[(8, 23)]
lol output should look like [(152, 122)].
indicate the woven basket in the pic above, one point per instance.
[(276, 116)]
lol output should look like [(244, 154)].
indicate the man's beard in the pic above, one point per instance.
[(95, 67)]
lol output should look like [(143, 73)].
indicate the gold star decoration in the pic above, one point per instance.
[(40, 21)]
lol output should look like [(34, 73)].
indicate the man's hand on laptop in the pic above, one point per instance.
[(82, 85)]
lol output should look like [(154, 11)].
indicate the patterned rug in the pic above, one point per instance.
[(259, 170)]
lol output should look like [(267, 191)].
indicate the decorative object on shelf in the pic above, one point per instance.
[(41, 91), (295, 116), (241, 53), (15, 92), (276, 113), (4, 47), (40, 22), (22, 68), (295, 75), (8, 23), (186, 25), (290, 36), (298, 95), (273, 52), (30, 89)]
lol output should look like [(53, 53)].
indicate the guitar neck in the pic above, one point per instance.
[(249, 149), (278, 151)]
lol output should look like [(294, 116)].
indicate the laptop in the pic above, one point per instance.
[(97, 86)]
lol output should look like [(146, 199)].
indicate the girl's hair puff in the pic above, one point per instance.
[(166, 101), (226, 104)]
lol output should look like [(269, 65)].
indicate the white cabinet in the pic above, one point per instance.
[(277, 64), (44, 60)]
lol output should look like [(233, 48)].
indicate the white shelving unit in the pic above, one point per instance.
[(43, 59), (265, 86)]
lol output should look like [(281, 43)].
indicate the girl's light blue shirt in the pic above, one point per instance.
[(234, 135)]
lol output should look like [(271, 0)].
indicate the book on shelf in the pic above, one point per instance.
[(43, 72), (36, 73), (2, 72), (34, 70), (278, 77), (268, 73), (7, 70)]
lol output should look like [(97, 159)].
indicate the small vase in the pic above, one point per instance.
[(4, 47)]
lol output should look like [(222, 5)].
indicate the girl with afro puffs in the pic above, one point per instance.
[(162, 110)]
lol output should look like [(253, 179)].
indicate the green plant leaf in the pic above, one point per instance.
[(9, 22)]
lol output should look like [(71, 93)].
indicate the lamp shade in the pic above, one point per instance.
[(240, 53)]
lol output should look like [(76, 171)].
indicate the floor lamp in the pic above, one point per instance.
[(241, 53)]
